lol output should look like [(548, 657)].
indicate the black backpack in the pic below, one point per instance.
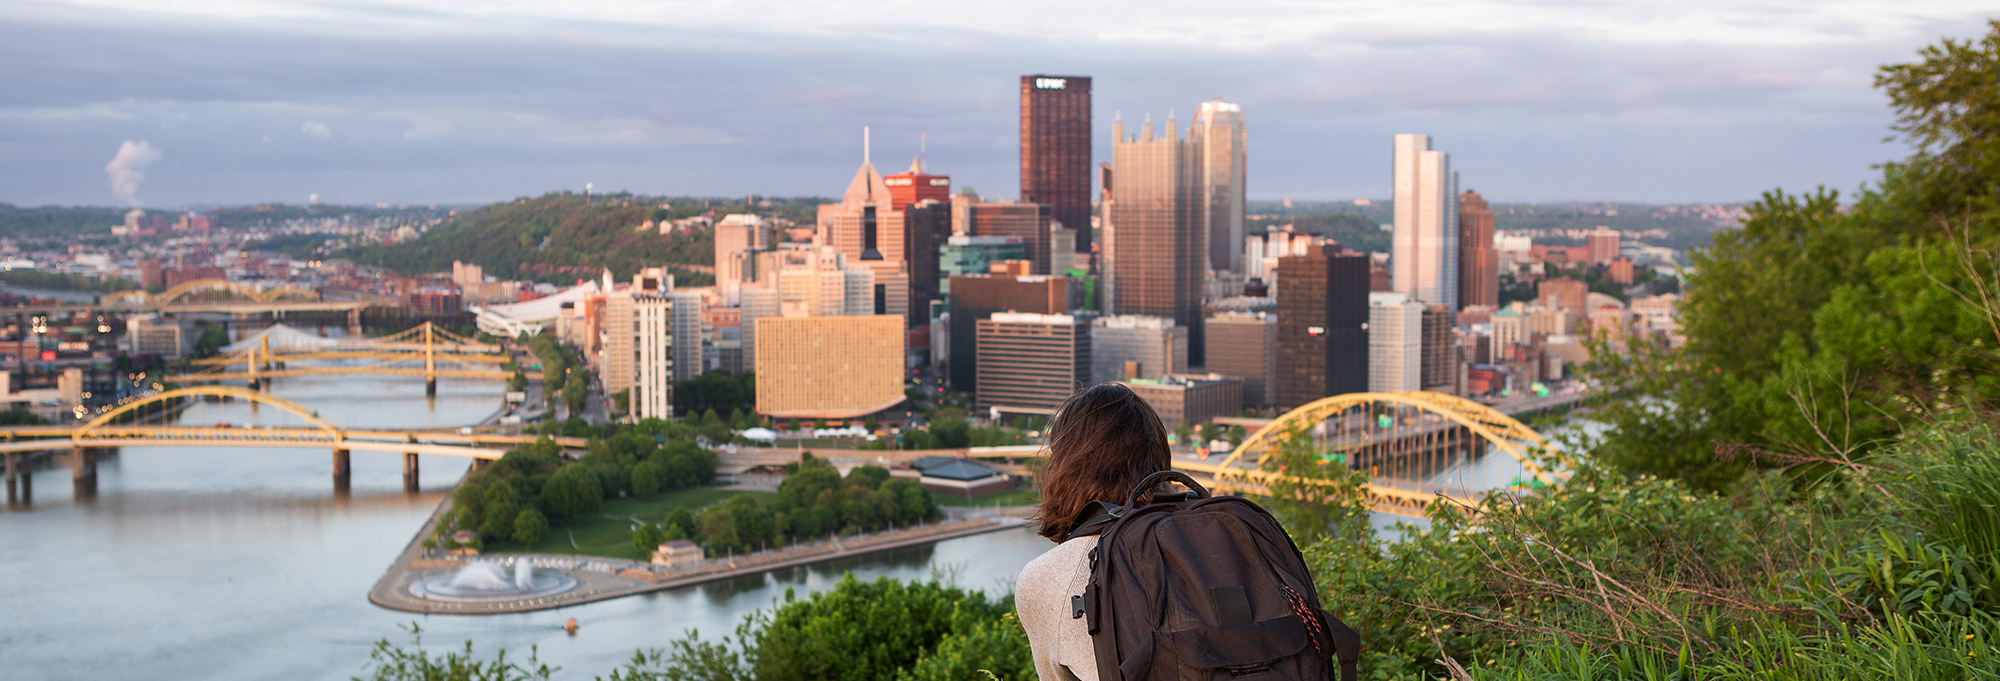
[(1194, 586)]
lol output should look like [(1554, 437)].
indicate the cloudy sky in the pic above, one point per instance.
[(238, 101)]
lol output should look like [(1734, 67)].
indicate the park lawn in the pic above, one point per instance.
[(1024, 496), (609, 533)]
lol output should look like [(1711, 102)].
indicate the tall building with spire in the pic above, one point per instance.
[(1424, 257), (1154, 246), (1478, 259), (866, 227), (925, 201), (1055, 149), (1218, 136)]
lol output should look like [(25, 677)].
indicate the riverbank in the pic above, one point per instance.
[(599, 578)]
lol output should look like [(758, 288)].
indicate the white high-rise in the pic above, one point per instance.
[(1424, 260), (1219, 157), (1395, 343)]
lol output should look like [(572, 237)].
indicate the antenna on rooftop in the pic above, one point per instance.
[(864, 144)]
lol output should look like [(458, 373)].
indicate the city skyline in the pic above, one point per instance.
[(1550, 105)]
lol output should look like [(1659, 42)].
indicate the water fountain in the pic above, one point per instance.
[(482, 580)]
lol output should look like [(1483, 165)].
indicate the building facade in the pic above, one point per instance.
[(1055, 149), (655, 353), (1395, 343), (1219, 139), (1244, 345), (1323, 331), (1028, 222), (1190, 399), (1030, 363), (1123, 347), (1153, 246), (829, 367), (1478, 260), (1440, 358), (1424, 258), (977, 297)]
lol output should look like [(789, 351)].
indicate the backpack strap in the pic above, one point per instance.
[(1346, 644), (1147, 484), (1092, 520)]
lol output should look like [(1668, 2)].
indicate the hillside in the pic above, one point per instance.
[(556, 238), (49, 221)]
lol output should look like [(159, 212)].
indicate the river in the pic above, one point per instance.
[(242, 564)]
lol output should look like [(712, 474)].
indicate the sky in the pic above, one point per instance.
[(171, 103)]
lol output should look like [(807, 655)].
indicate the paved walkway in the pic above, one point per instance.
[(602, 578)]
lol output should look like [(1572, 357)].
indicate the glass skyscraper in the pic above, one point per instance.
[(1424, 258), (1055, 149)]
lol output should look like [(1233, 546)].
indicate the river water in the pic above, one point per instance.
[(242, 564)]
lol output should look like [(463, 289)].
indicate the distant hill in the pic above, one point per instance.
[(1677, 226), (556, 238), (58, 220)]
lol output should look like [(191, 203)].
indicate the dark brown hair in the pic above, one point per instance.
[(1102, 442)]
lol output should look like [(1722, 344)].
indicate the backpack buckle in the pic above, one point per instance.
[(1076, 607)]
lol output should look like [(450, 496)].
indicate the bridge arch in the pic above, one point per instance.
[(181, 290), (1495, 429), (85, 431)]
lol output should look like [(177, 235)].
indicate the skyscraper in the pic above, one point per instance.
[(1055, 149), (915, 185), (1424, 258), (738, 239), (975, 217), (655, 357), (1130, 346), (1478, 260), (977, 297), (1218, 136), (866, 227), (1154, 247), (1245, 345), (1440, 360), (1395, 343), (1322, 325)]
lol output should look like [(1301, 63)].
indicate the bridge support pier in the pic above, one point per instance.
[(410, 472), (431, 386), (14, 475), (83, 471), (343, 471)]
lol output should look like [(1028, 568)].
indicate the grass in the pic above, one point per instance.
[(1017, 497), (609, 534)]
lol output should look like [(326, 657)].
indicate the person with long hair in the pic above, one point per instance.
[(1102, 442)]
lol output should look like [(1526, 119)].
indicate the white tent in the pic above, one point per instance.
[(513, 319), (281, 336)]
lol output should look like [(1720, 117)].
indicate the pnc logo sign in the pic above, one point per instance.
[(940, 182), (1050, 83)]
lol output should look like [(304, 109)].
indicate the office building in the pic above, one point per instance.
[(1218, 136), (1510, 328), (1395, 343), (1603, 244), (1620, 271), (1244, 345), (1424, 259), (976, 217), (802, 280), (829, 367), (1153, 247), (654, 314), (1055, 149), (977, 297), (961, 255), (1323, 330), (738, 239), (689, 329), (1062, 250), (1563, 293), (1478, 260), (867, 229), (1029, 363), (1123, 347), (621, 329), (1190, 399), (1440, 351), (915, 186), (929, 225)]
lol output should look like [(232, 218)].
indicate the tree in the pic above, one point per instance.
[(1236, 435), (648, 538), (574, 491), (645, 479), (718, 528), (529, 526)]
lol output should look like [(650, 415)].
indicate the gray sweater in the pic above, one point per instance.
[(1061, 644)]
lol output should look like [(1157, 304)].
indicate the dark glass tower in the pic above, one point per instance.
[(1322, 326), (1055, 149)]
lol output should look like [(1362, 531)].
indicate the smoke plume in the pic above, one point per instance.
[(126, 170)]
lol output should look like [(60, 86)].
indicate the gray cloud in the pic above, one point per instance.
[(525, 105), (126, 170)]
